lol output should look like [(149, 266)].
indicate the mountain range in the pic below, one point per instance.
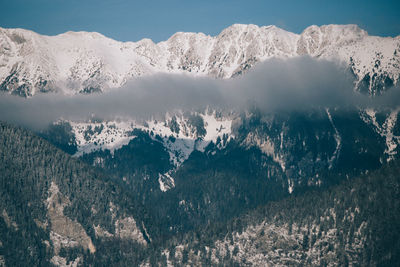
[(84, 62), (317, 186)]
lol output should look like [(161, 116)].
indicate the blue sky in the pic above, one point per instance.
[(133, 20)]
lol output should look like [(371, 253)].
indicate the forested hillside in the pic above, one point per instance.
[(211, 186), (355, 223), (55, 209)]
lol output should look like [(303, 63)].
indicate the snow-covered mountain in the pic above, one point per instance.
[(81, 62), (87, 62), (181, 187)]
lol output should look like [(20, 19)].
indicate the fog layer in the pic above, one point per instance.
[(276, 85)]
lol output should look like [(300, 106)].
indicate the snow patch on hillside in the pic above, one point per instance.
[(176, 133), (91, 136), (166, 182), (338, 140), (386, 129)]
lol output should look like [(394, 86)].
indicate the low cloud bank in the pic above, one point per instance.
[(276, 85)]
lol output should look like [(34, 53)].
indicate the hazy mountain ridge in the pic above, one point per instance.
[(90, 62)]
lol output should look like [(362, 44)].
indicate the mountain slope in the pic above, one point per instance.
[(90, 62), (270, 157), (56, 209), (355, 223)]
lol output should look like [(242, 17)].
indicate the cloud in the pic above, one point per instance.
[(276, 85)]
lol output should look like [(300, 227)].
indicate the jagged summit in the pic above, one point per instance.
[(85, 62)]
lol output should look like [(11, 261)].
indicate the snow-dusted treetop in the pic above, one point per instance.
[(85, 62)]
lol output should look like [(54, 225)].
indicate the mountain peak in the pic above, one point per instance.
[(348, 31), (238, 28), (93, 35)]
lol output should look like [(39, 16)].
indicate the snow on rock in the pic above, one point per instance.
[(338, 140), (370, 57), (166, 182), (290, 186), (392, 140), (181, 137), (86, 62), (386, 129), (269, 244)]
